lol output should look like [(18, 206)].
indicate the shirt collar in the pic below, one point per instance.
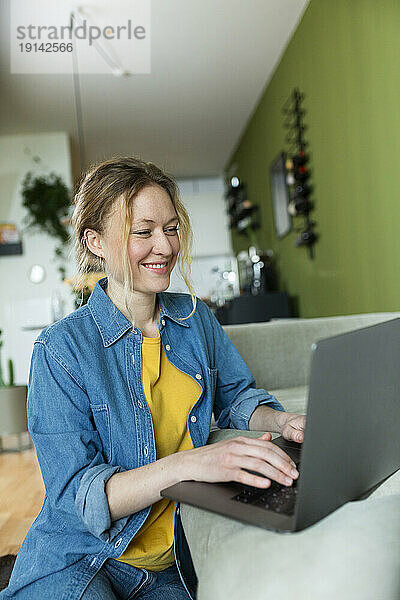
[(110, 321)]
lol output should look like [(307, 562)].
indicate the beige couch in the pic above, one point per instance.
[(353, 554)]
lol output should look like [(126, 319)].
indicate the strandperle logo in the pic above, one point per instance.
[(83, 31), (48, 36)]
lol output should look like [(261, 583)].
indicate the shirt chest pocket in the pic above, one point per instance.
[(101, 418), (213, 375)]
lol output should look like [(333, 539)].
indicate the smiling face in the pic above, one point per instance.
[(153, 241)]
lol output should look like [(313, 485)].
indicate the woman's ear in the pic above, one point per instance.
[(94, 242)]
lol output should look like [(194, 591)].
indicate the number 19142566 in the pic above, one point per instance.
[(46, 47)]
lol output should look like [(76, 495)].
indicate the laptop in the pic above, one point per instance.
[(351, 443)]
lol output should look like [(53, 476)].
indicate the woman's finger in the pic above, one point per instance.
[(266, 453), (264, 468), (245, 478), (264, 443), (293, 434)]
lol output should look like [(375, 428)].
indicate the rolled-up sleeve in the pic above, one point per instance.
[(236, 395), (91, 503), (68, 446)]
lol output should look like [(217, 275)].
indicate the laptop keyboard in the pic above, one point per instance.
[(277, 497)]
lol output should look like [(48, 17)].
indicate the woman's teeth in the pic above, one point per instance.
[(155, 266)]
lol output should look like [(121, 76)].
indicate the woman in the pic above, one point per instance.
[(121, 394)]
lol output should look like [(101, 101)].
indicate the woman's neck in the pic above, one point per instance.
[(144, 307)]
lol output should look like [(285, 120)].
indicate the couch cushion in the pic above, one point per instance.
[(293, 399)]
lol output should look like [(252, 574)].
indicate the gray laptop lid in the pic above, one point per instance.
[(352, 438)]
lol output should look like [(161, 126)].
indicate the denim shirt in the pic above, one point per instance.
[(88, 418)]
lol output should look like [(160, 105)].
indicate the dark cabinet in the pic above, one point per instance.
[(253, 309)]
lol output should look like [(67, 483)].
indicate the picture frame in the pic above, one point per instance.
[(10, 240), (280, 195)]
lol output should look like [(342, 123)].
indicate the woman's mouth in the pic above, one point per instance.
[(160, 268)]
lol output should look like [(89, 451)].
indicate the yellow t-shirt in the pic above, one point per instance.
[(170, 395)]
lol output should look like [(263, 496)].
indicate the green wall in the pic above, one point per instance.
[(345, 56)]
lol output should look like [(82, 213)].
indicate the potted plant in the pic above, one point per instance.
[(47, 200), (12, 404)]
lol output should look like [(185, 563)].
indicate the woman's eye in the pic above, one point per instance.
[(172, 230), (147, 232)]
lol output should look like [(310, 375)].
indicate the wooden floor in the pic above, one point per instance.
[(21, 497)]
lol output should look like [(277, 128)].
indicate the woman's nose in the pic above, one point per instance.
[(162, 244)]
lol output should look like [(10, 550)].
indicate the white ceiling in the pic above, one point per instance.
[(210, 61)]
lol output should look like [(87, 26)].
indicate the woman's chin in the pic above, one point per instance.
[(158, 286)]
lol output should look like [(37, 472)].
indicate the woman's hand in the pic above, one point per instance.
[(230, 460), (293, 427)]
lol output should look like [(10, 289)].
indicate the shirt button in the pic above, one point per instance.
[(168, 347), (198, 376), (139, 404), (163, 322), (146, 451), (118, 543), (193, 419)]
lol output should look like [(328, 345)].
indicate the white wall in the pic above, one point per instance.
[(204, 200), (24, 304)]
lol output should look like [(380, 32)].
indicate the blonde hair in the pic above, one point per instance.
[(124, 177)]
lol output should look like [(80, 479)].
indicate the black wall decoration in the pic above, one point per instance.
[(298, 171), (243, 214)]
